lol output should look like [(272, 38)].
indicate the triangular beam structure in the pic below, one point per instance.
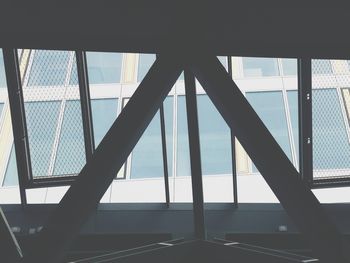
[(85, 193), (92, 182), (280, 174)]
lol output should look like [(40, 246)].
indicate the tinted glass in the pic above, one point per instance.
[(42, 120), (321, 66), (70, 157), (293, 110), (270, 108), (260, 67), (147, 158), (104, 67), (215, 139), (145, 62), (49, 68), (183, 152), (2, 71), (11, 175), (290, 66), (331, 145), (104, 113)]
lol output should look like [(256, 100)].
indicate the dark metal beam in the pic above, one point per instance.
[(165, 156), (280, 174), (85, 103), (14, 87), (305, 119), (85, 193), (233, 146), (195, 155), (270, 28)]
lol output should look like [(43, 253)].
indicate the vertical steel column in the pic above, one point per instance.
[(19, 127), (85, 103), (165, 156), (305, 119), (233, 146), (195, 155), (164, 152)]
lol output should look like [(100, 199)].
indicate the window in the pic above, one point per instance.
[(104, 113), (49, 68), (70, 156), (145, 63), (215, 139), (290, 66), (147, 156), (2, 71), (104, 67), (292, 96), (331, 145), (270, 108), (11, 175), (321, 67), (183, 167), (260, 67), (42, 121)]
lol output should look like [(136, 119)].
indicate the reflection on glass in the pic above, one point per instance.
[(42, 121), (270, 108), (70, 157), (215, 139), (289, 66), (2, 71), (321, 66), (49, 68), (183, 167), (331, 145), (145, 63), (104, 113), (260, 67), (104, 67), (292, 96), (11, 175)]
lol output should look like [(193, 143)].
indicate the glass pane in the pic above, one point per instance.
[(11, 175), (104, 113), (293, 109), (290, 66), (1, 107), (320, 66), (42, 121), (260, 67), (104, 67), (223, 61), (270, 108), (168, 119), (49, 68), (145, 63), (3, 83), (331, 145), (147, 157), (70, 157), (215, 139), (183, 167)]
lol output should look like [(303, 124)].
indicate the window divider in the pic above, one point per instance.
[(85, 103), (305, 119), (233, 146)]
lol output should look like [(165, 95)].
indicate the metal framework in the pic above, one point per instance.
[(195, 155), (96, 176)]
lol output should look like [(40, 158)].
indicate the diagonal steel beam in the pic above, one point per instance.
[(85, 193), (282, 177)]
